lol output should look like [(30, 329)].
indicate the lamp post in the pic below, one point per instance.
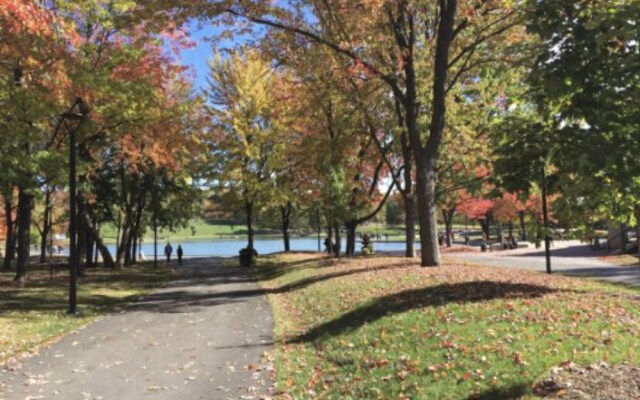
[(545, 219), (78, 117)]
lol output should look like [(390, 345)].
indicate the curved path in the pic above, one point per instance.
[(202, 337), (567, 258)]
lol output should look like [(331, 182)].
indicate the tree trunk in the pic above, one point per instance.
[(330, 239), (351, 238), (134, 251), (636, 210), (95, 228), (46, 226), (120, 250), (484, 225), (249, 213), (82, 235), (25, 205), (137, 229), (91, 245), (448, 215), (426, 186), (337, 249), (410, 225), (107, 259), (123, 252), (426, 155), (10, 244), (523, 227), (128, 247), (285, 213)]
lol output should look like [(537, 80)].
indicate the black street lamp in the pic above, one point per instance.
[(545, 220), (77, 114)]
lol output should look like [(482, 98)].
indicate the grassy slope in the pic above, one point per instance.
[(384, 328), (203, 231), (36, 314)]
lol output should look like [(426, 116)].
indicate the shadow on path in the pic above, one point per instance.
[(583, 251), (628, 275)]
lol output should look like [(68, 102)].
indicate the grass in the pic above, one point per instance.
[(622, 259), (201, 231), (35, 315), (382, 328)]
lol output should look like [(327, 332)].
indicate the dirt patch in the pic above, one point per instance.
[(595, 382), (622, 260)]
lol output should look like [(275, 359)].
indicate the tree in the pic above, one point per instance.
[(245, 144), (586, 72), (477, 209), (445, 40)]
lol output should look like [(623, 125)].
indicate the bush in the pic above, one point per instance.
[(248, 257)]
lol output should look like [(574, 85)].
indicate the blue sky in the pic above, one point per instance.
[(198, 56)]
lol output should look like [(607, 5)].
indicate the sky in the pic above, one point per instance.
[(198, 56)]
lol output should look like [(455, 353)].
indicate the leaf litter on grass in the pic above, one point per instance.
[(377, 328)]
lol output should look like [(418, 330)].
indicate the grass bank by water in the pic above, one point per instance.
[(384, 328)]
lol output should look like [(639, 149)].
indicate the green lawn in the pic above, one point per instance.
[(201, 231), (34, 315), (206, 231), (384, 328)]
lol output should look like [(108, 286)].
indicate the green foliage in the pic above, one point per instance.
[(245, 132), (586, 73)]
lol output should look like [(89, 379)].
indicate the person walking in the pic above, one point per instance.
[(180, 253), (167, 252)]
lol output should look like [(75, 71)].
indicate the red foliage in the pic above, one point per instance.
[(474, 208)]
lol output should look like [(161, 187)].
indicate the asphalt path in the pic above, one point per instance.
[(570, 258), (204, 336)]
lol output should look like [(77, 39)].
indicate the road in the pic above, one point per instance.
[(567, 258)]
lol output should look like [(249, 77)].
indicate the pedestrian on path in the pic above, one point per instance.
[(179, 252), (167, 252)]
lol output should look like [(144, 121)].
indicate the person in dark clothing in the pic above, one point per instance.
[(180, 253), (168, 249), (328, 245)]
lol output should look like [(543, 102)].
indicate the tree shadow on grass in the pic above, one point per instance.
[(210, 271), (516, 391), (465, 292), (181, 300)]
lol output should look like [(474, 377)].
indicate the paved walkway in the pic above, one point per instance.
[(567, 258), (202, 337)]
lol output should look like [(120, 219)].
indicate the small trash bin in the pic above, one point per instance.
[(247, 257)]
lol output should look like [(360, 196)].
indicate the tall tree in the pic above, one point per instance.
[(245, 144), (586, 75), (407, 45)]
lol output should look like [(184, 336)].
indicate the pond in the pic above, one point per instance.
[(231, 247)]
